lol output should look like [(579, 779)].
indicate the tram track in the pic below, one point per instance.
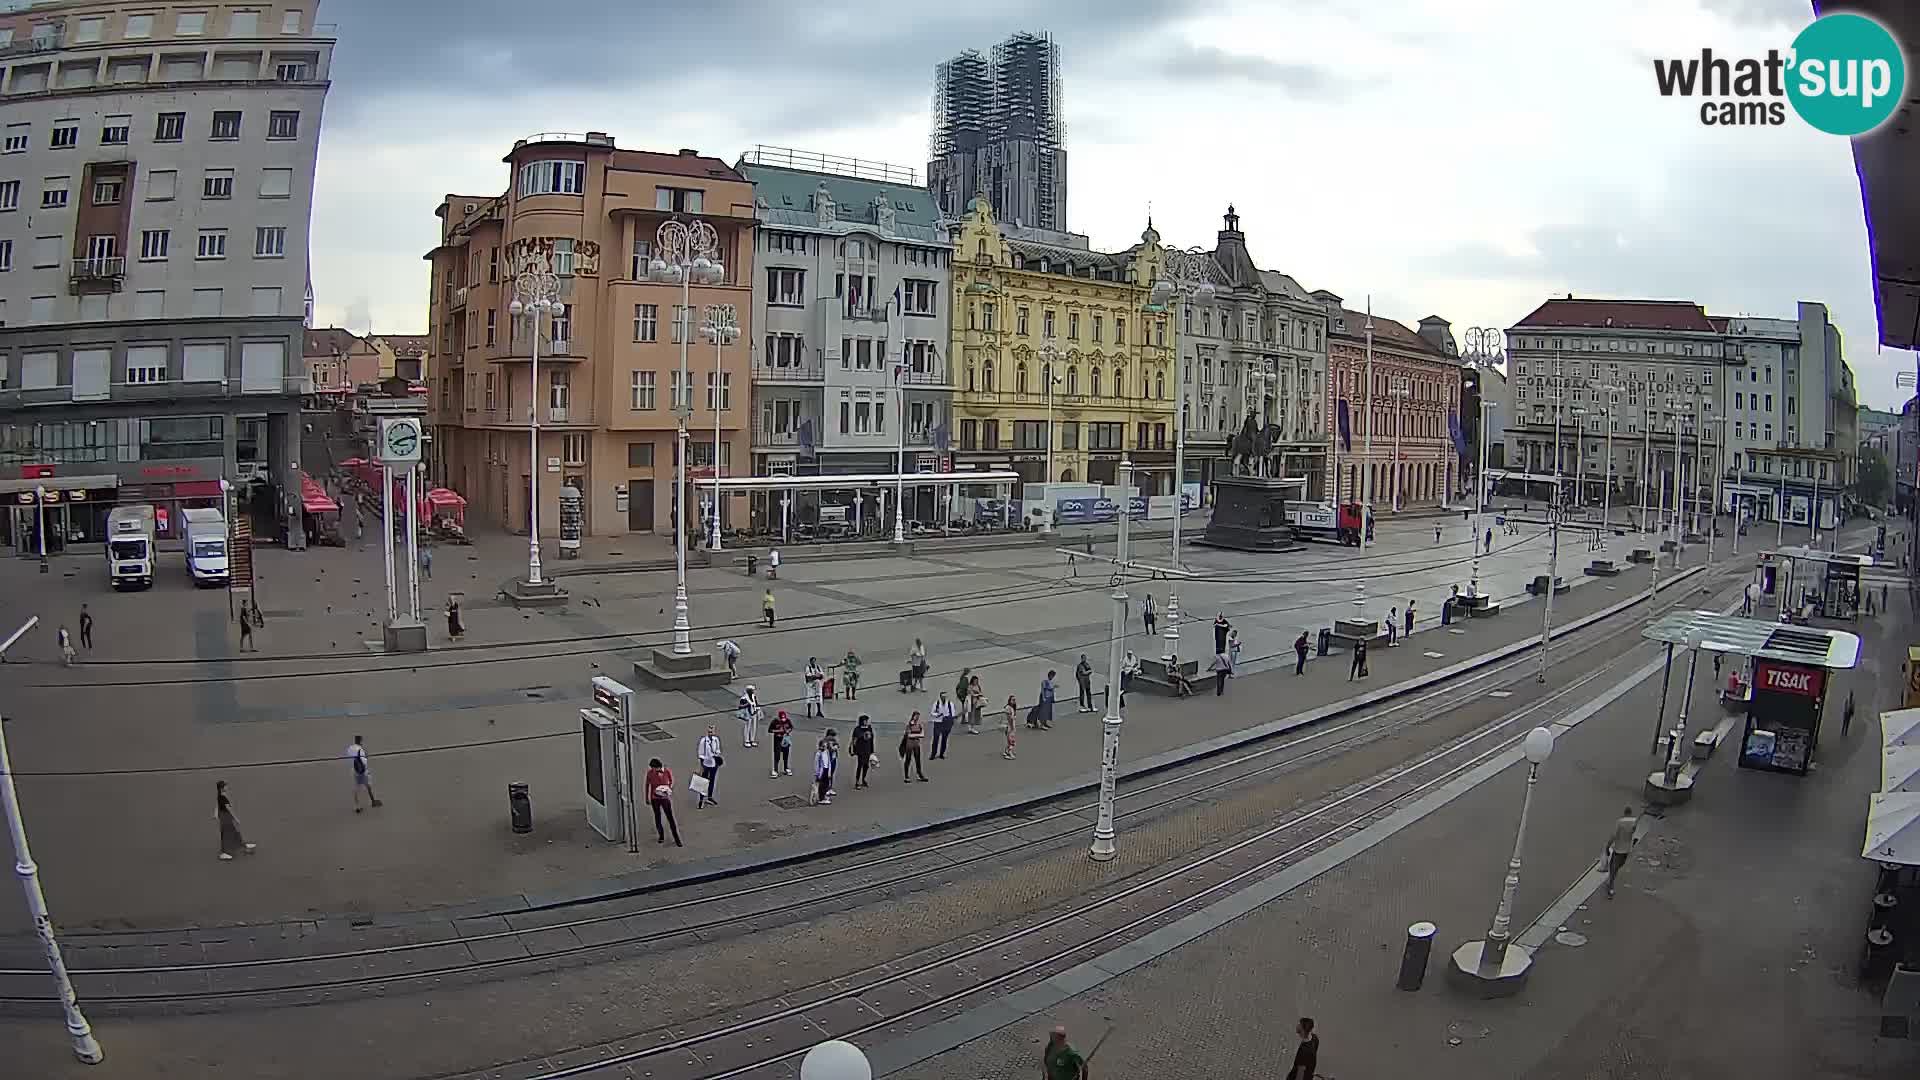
[(347, 970)]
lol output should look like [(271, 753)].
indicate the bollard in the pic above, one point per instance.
[(1876, 958), (1326, 641), (519, 807), (1413, 962)]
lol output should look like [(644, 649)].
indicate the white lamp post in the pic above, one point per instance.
[(722, 328), (1187, 279), (40, 521), (1494, 967), (1400, 394), (1049, 357), (687, 253), (1366, 474), (1606, 490), (900, 449), (535, 293), (1102, 848), (78, 1031), (835, 1060)]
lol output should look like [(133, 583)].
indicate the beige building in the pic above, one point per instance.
[(581, 208)]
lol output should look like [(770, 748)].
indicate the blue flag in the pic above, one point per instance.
[(1346, 428), (1454, 430)]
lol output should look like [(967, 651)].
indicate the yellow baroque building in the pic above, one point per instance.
[(1059, 344)]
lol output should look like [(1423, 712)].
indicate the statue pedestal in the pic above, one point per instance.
[(1250, 513)]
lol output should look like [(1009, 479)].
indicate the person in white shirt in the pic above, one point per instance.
[(362, 774), (1128, 669), (710, 762), (730, 651), (749, 713), (823, 774), (945, 712), (815, 676), (773, 563)]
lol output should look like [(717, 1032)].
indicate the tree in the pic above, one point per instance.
[(1873, 480)]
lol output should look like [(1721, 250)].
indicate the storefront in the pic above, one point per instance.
[(170, 487), (71, 510)]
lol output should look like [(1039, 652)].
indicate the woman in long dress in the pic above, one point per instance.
[(231, 842)]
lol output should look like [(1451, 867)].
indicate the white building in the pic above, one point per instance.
[(156, 181), (852, 296)]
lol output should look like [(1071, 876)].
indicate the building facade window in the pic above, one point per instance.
[(553, 178), (642, 391)]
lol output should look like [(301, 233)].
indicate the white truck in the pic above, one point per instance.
[(206, 545), (130, 548)]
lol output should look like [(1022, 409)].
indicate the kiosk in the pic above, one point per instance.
[(606, 729), (1821, 584)]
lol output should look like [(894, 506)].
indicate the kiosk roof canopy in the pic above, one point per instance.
[(1832, 649), (1807, 554)]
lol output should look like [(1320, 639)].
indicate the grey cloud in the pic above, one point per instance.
[(1206, 62), (838, 65), (1795, 13)]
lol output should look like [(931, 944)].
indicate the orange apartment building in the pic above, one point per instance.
[(581, 208)]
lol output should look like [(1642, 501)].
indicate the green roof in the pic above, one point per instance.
[(792, 190)]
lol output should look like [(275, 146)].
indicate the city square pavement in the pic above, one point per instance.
[(116, 758), (1729, 952)]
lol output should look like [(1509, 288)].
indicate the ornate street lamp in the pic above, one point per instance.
[(722, 328), (686, 254), (1187, 278), (535, 293)]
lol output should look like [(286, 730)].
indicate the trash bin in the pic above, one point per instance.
[(1326, 641), (753, 565), (519, 808), (1413, 962)]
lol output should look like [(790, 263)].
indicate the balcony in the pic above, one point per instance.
[(802, 371), (928, 375), (97, 275), (864, 314), (45, 39), (571, 415), (764, 436), (459, 299)]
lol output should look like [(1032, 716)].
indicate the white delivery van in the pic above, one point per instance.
[(206, 545), (130, 548)]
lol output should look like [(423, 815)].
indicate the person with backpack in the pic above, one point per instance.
[(782, 731), (362, 775)]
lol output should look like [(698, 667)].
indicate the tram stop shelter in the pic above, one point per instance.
[(1820, 584), (830, 506), (1792, 667)]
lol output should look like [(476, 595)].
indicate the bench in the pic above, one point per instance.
[(1640, 555), (1156, 678), (1603, 568), (1350, 632), (1704, 744), (1538, 586)]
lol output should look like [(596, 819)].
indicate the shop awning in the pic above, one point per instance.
[(1893, 828), (445, 497), (1900, 769), (12, 484), (197, 489), (1900, 727), (314, 500)]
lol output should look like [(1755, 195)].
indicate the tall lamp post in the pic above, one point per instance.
[(900, 451), (1049, 358), (1606, 490), (1102, 848), (1187, 279), (686, 254), (1493, 967), (1401, 394), (79, 1032), (535, 293), (1366, 452), (722, 328)]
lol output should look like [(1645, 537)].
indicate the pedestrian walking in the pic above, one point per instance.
[(1436, 534), (1041, 718), (1220, 628), (1221, 668), (730, 652), (1060, 1061), (246, 630), (1883, 598), (66, 646), (910, 748), (945, 712), (710, 761), (1489, 541), (1716, 667), (1306, 1056), (850, 671), (749, 713), (1083, 675), (823, 775), (1300, 654), (1359, 668), (831, 740), (773, 562), (1012, 709), (1619, 845), (862, 745), (1846, 714), (660, 796), (917, 663), (1129, 667), (1409, 632), (231, 842), (1393, 626), (766, 607), (86, 628), (781, 731), (1233, 651), (362, 774), (1147, 614), (815, 675), (426, 563), (455, 627), (976, 704)]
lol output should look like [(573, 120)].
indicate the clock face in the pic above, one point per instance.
[(403, 440)]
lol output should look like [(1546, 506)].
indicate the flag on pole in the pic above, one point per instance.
[(1346, 427), (1455, 432)]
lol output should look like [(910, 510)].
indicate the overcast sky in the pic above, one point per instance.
[(1466, 159)]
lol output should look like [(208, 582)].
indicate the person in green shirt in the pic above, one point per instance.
[(850, 671), (1061, 1061)]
